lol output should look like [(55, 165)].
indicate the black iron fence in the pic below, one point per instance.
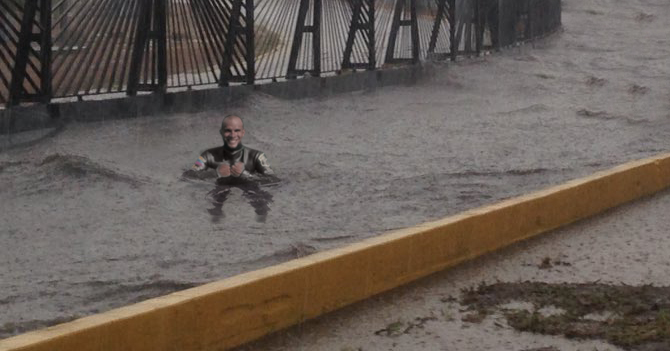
[(55, 49)]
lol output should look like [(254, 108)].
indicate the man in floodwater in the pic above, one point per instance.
[(237, 166)]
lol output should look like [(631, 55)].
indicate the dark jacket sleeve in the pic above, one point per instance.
[(262, 165), (206, 160)]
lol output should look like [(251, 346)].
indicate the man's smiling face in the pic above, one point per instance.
[(232, 131)]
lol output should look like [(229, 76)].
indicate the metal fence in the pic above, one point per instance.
[(51, 49)]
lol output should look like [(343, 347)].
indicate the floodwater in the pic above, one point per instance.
[(96, 215)]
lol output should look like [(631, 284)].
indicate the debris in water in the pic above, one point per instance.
[(638, 317)]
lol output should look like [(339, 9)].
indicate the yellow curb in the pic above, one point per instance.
[(230, 312)]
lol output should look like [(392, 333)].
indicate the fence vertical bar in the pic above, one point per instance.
[(359, 23), (500, 27), (401, 7), (531, 22), (300, 29), (250, 32), (395, 27), (316, 38), (141, 36), (452, 30), (351, 37), (26, 37), (45, 51), (479, 30), (414, 25), (229, 46), (441, 12), (493, 18), (160, 39), (372, 57)]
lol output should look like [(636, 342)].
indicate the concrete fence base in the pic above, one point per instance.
[(38, 116), (227, 313)]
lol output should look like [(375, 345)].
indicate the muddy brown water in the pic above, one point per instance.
[(96, 215)]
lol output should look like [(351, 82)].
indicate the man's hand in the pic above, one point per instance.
[(237, 169), (224, 170)]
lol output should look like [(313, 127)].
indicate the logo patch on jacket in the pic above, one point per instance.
[(263, 161)]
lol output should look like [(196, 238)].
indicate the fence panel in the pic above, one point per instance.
[(94, 47)]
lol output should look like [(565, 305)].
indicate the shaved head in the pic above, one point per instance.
[(232, 131), (230, 118)]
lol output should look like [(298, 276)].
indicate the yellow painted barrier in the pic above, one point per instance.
[(227, 313)]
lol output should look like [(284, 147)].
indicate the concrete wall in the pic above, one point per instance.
[(22, 118), (227, 313)]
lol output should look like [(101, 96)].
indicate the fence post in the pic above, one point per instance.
[(399, 21), (395, 27), (453, 42), (249, 31), (372, 58), (141, 33), (501, 28), (235, 30), (151, 27), (160, 41), (300, 29), (45, 51), (17, 91), (479, 30), (493, 21), (439, 16), (362, 19), (316, 38)]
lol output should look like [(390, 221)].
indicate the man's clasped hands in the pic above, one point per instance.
[(235, 170)]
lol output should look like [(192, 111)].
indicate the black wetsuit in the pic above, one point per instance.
[(254, 161), (256, 169)]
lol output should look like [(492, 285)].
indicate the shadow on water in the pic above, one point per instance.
[(258, 198), (10, 141)]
